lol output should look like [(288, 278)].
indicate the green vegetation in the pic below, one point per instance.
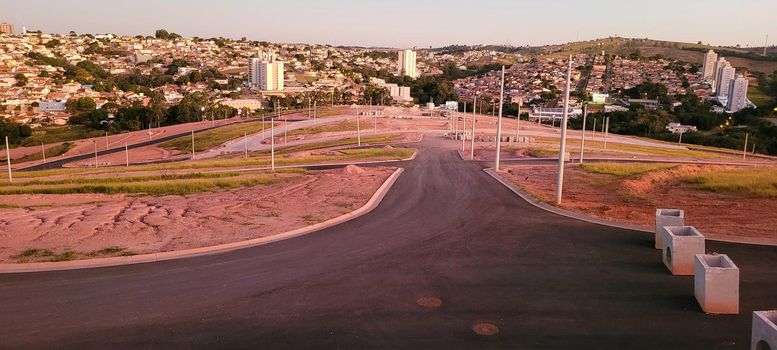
[(366, 140), (50, 152), (756, 182), (759, 97), (161, 185), (623, 170), (344, 125), (206, 140)]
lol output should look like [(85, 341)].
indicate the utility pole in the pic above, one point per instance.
[(464, 129), (315, 103), (272, 144), (563, 142), (582, 137), (606, 131), (744, 152), (285, 127), (43, 150), (106, 139), (499, 121), (681, 138), (358, 132), (8, 159), (593, 131), (95, 153), (518, 121), (245, 144), (474, 122), (309, 108), (193, 140), (126, 153)]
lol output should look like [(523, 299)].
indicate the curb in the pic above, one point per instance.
[(373, 203), (595, 220)]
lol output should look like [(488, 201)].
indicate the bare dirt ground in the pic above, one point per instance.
[(635, 199), (87, 224)]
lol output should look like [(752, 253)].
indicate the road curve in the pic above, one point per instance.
[(445, 230)]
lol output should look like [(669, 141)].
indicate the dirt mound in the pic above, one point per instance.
[(654, 180), (388, 148), (353, 170)]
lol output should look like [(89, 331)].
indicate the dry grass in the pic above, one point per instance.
[(623, 170), (758, 182), (206, 140)]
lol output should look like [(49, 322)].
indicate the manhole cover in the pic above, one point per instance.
[(485, 329), (429, 302)]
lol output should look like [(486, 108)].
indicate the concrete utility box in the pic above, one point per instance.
[(716, 284), (764, 335), (667, 217), (680, 246)]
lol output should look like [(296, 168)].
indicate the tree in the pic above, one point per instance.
[(654, 121), (161, 34), (21, 79), (83, 104)]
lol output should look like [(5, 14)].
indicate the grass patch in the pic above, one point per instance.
[(349, 141), (623, 170), (344, 125), (65, 256), (758, 97), (50, 153), (152, 188), (31, 253), (759, 182), (206, 140)]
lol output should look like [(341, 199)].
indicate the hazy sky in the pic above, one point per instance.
[(407, 23)]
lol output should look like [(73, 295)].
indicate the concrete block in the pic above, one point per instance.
[(764, 334), (667, 217), (716, 284), (680, 246)]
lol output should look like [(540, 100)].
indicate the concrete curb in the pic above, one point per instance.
[(595, 220), (373, 203)]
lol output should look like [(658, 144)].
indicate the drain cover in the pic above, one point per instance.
[(429, 302), (485, 329)]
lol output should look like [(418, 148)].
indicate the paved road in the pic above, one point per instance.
[(447, 230)]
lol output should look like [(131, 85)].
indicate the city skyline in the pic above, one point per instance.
[(414, 24)]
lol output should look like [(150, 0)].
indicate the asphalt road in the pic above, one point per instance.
[(446, 229)]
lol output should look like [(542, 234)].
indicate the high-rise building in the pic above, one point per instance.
[(406, 63), (265, 72), (737, 94), (716, 70), (708, 66), (725, 74), (6, 28)]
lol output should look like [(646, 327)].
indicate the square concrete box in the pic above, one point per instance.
[(667, 217), (680, 246), (764, 335), (716, 284)]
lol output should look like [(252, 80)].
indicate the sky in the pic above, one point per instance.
[(409, 23)]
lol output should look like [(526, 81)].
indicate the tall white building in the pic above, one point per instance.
[(737, 94), (716, 70), (726, 74), (406, 63), (708, 66), (265, 72)]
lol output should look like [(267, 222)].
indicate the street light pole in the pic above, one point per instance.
[(192, 144), (606, 131), (464, 129), (563, 142), (358, 132), (582, 137), (499, 121), (95, 153), (8, 159), (518, 121), (744, 152), (474, 122), (43, 150)]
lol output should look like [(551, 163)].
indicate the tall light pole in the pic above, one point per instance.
[(582, 136), (474, 122), (499, 120), (8, 159), (358, 131), (272, 144), (126, 153), (245, 144), (744, 152), (43, 150), (285, 128), (192, 145), (518, 121), (464, 129), (563, 142), (95, 153), (606, 131)]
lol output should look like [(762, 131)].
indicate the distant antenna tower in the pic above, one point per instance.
[(766, 44)]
